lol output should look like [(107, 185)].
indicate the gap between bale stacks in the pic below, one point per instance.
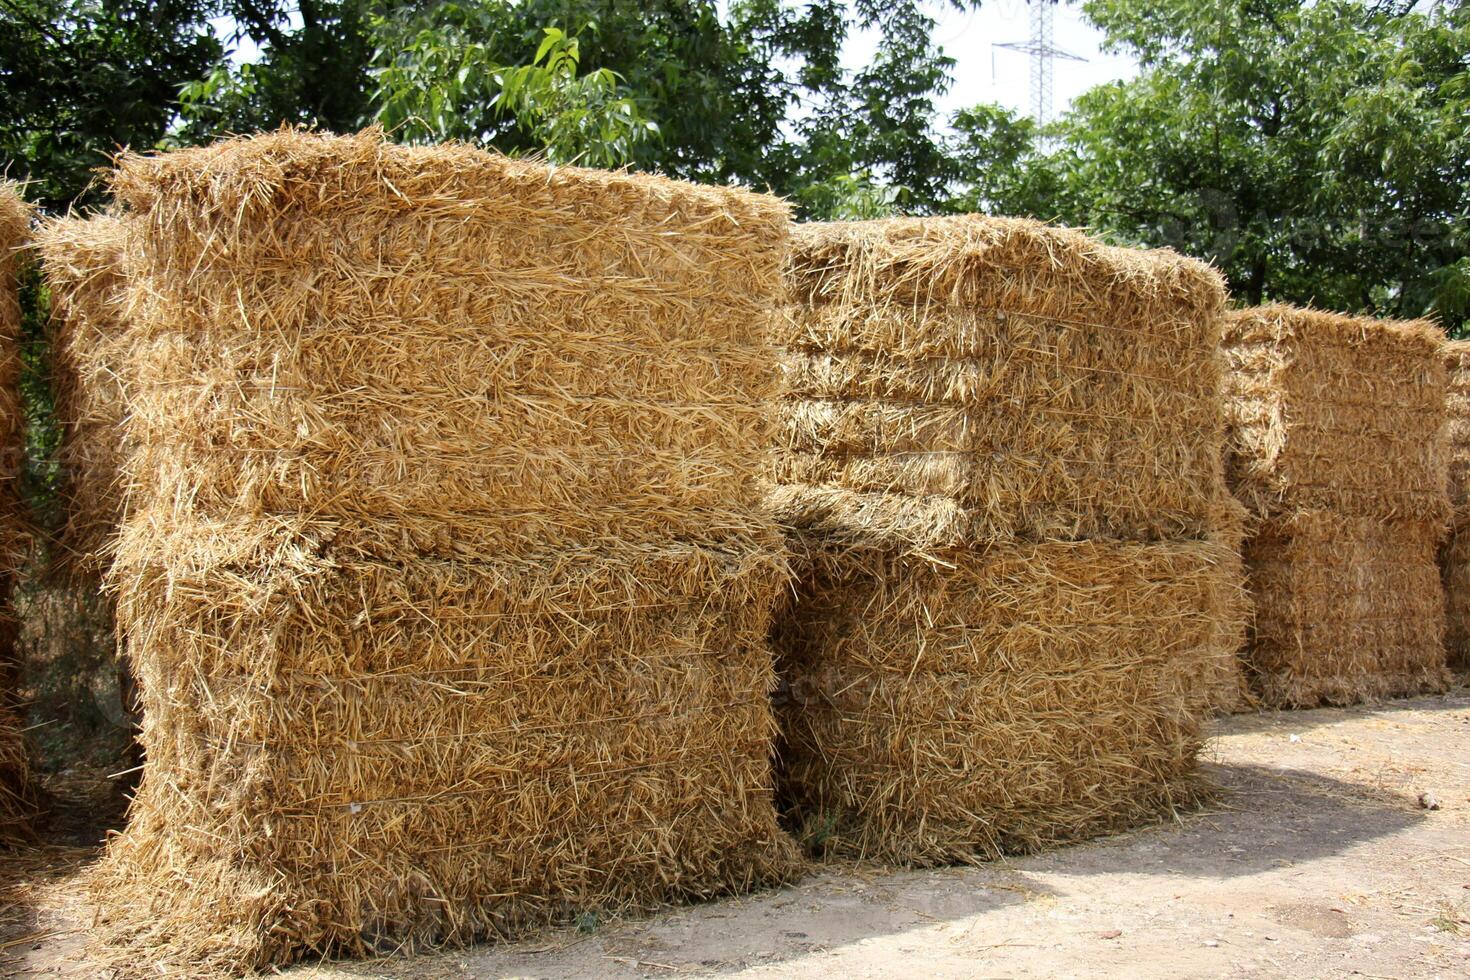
[(71, 619), (1000, 456), (19, 800), (1335, 447), (1454, 561), (82, 259), (444, 572)]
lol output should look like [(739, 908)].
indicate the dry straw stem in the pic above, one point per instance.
[(451, 352), (1454, 555), (1454, 564), (1336, 412), (83, 263), (343, 756), (444, 570), (18, 799), (1346, 610), (958, 380), (15, 238), (1224, 685), (996, 700), (1457, 365)]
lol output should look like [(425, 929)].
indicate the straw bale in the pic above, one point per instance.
[(355, 752), (1457, 365), (1336, 412), (958, 380), (18, 798), (1454, 566), (1346, 609), (498, 354), (15, 234), (444, 570), (995, 700), (1001, 452), (1454, 555), (83, 263), (1224, 687)]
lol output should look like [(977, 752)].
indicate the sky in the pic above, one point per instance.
[(984, 74)]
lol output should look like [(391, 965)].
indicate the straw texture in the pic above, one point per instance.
[(18, 798), (1009, 699), (444, 572), (953, 381), (1454, 566), (15, 239), (1457, 405), (1336, 446), (597, 364), (1333, 412), (1000, 455), (1454, 557), (82, 259), (1223, 685), (1346, 609)]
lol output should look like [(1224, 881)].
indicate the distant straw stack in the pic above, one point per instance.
[(1336, 448), (18, 799), (444, 571), (82, 261), (1455, 553), (1000, 467)]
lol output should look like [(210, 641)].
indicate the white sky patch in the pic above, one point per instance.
[(982, 74)]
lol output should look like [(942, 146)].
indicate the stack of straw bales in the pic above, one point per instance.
[(1000, 467), (1455, 553), (83, 263), (1336, 448), (18, 799), (443, 569)]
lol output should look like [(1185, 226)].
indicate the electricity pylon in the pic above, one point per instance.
[(1043, 52)]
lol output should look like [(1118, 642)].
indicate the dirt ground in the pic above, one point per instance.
[(1339, 846)]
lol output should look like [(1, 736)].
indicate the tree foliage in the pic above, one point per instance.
[(312, 69), (756, 95), (80, 79), (1317, 151), (436, 80)]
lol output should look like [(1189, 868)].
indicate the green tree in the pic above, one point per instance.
[(1316, 151), (312, 69), (1001, 166), (438, 83), (706, 81), (754, 93), (881, 124), (80, 79)]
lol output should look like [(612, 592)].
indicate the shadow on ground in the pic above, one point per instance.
[(82, 807), (1262, 818)]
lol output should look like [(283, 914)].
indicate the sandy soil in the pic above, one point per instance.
[(1320, 859)]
